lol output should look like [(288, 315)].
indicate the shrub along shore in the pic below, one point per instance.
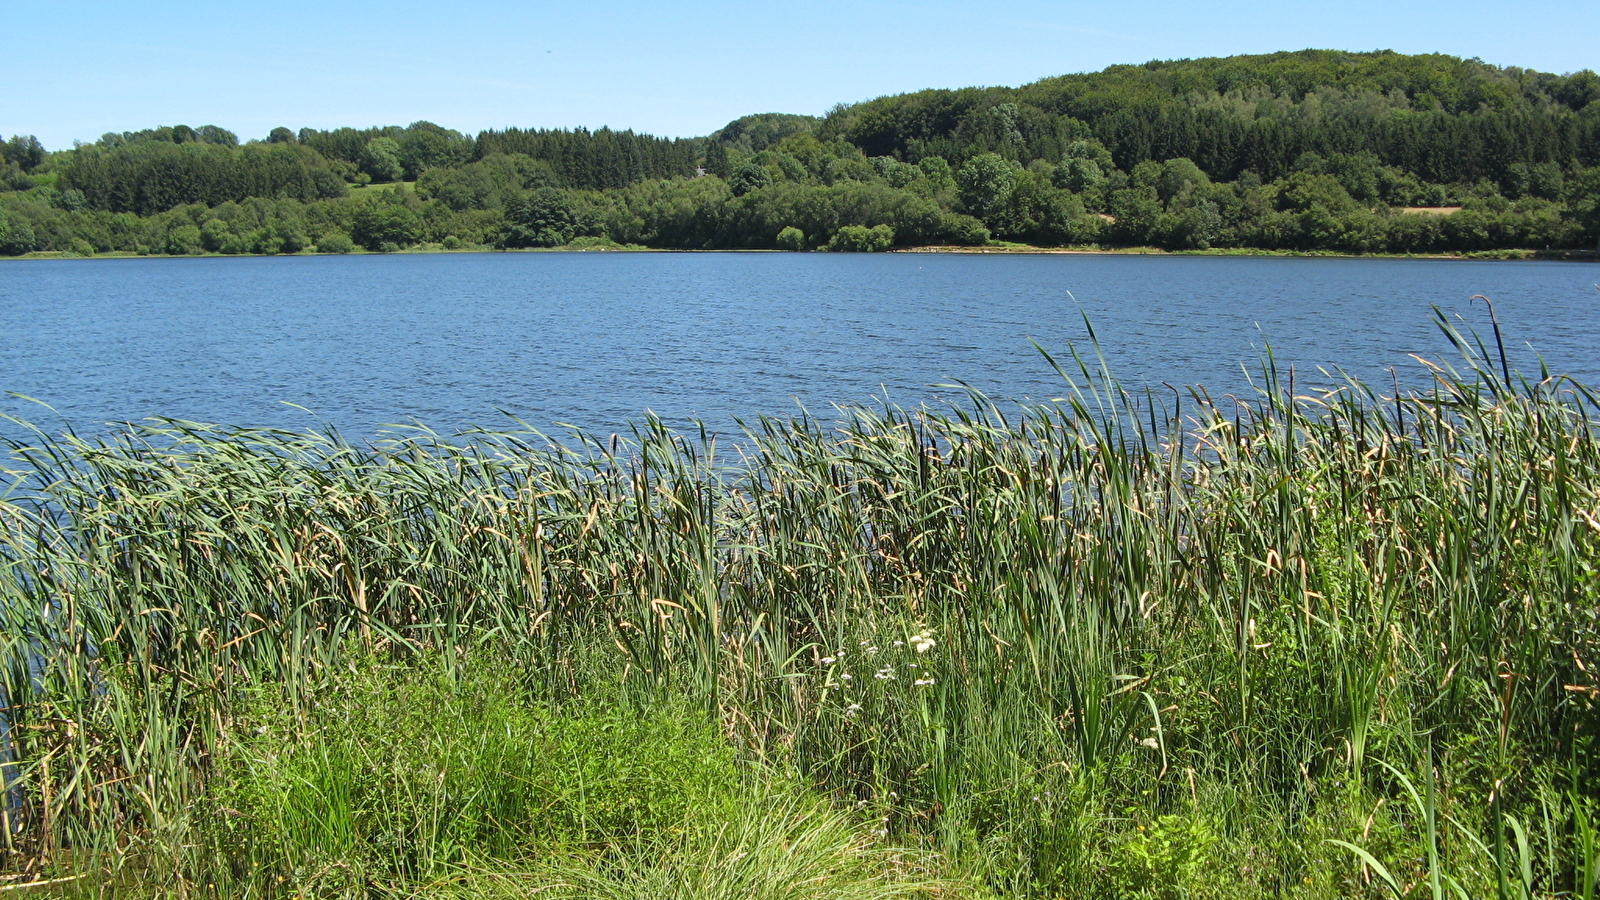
[(1318, 644), (606, 246)]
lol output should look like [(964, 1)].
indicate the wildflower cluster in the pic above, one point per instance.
[(888, 662)]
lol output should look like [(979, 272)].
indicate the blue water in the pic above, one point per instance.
[(597, 339)]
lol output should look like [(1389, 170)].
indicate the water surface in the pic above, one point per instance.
[(597, 339)]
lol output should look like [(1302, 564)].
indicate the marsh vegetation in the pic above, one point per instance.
[(1324, 644)]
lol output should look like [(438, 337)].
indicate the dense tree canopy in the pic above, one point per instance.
[(154, 176), (1444, 119), (597, 159), (753, 134), (1313, 150)]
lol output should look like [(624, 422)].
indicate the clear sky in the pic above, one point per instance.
[(76, 70)]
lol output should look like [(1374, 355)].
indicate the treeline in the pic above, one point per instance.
[(155, 176), (582, 159), (1443, 119), (596, 159), (1316, 150)]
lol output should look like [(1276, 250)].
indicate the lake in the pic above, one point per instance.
[(596, 339)]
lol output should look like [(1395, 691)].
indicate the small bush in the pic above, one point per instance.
[(218, 237), (861, 239), (183, 241), (791, 238), (386, 222), (266, 241), (335, 242), (1168, 859), (18, 239), (964, 231)]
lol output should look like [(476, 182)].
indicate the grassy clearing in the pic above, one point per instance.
[(1310, 646)]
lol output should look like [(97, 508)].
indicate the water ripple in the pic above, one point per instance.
[(597, 339)]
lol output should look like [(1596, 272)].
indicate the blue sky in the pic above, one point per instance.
[(77, 70)]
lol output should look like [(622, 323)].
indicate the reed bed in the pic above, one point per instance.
[(1314, 644)]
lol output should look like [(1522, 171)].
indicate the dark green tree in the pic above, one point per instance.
[(1196, 226), (18, 238), (894, 172), (752, 134), (1178, 175), (545, 218), (24, 150), (1078, 175), (986, 182), (716, 160), (848, 168), (212, 134), (1304, 190), (1134, 213), (937, 170), (183, 240), (383, 223), (381, 160), (426, 146), (1584, 206), (749, 177), (962, 231)]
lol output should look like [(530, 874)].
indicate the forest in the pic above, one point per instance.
[(1304, 151)]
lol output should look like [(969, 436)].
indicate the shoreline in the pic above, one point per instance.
[(1507, 255)]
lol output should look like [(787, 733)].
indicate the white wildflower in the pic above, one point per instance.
[(923, 682), (885, 673), (829, 660)]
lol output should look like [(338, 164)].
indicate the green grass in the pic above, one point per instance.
[(1315, 645), (406, 773)]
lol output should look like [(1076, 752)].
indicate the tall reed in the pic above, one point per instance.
[(1106, 641)]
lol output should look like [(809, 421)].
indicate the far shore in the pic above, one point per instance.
[(994, 248)]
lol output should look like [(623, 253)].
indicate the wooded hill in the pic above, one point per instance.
[(1312, 150)]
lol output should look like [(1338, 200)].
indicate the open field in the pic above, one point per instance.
[(1342, 645)]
